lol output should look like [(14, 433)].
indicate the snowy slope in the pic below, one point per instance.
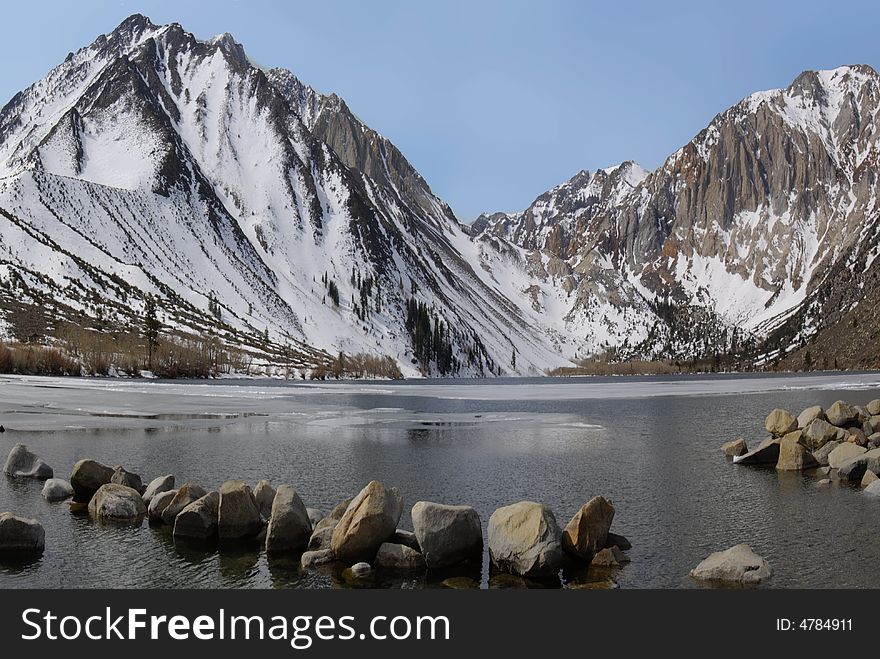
[(188, 172)]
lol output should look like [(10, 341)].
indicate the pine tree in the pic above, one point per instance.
[(151, 328)]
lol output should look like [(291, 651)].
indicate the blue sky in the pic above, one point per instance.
[(495, 102)]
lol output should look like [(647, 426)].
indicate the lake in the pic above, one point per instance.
[(651, 445)]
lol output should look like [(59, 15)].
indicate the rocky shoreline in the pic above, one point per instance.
[(361, 533), (840, 444)]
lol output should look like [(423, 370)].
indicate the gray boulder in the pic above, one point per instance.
[(408, 538), (359, 570), (158, 485), (315, 515), (873, 407), (187, 493), (809, 415), (87, 477), (56, 489), (322, 532), (159, 503), (767, 452), (264, 493), (821, 455), (873, 488), (22, 463), (117, 503), (844, 453), (398, 557), (617, 540), (609, 557), (447, 535), (289, 525), (818, 433), (738, 564), (370, 519), (122, 477), (587, 531), (868, 478), (20, 535), (239, 515), (853, 469), (840, 414), (317, 557), (874, 440), (792, 454), (735, 447), (199, 519), (780, 422), (525, 539)]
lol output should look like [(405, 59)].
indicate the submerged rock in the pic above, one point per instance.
[(609, 557), (159, 503), (843, 453), (22, 463), (87, 477), (739, 564), (289, 525), (735, 447), (21, 535), (317, 557), (587, 531), (157, 486), (122, 477), (264, 493), (187, 493), (199, 519), (56, 489), (117, 502), (525, 539), (446, 535), (239, 516), (792, 454), (767, 452), (617, 540), (369, 520), (399, 557)]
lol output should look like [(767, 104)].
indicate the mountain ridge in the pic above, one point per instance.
[(152, 163)]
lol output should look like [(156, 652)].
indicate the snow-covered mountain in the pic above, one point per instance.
[(153, 163), (737, 240), (260, 210)]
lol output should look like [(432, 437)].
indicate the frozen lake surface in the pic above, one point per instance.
[(649, 444)]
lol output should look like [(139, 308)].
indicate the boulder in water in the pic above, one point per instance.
[(524, 539), (735, 447), (21, 535), (587, 531), (87, 477), (369, 520), (117, 503), (264, 493), (289, 525), (738, 564), (199, 519), (187, 493), (239, 515), (158, 485), (446, 535), (780, 422), (56, 489), (22, 463)]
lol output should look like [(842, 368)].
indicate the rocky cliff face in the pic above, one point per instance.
[(748, 223)]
